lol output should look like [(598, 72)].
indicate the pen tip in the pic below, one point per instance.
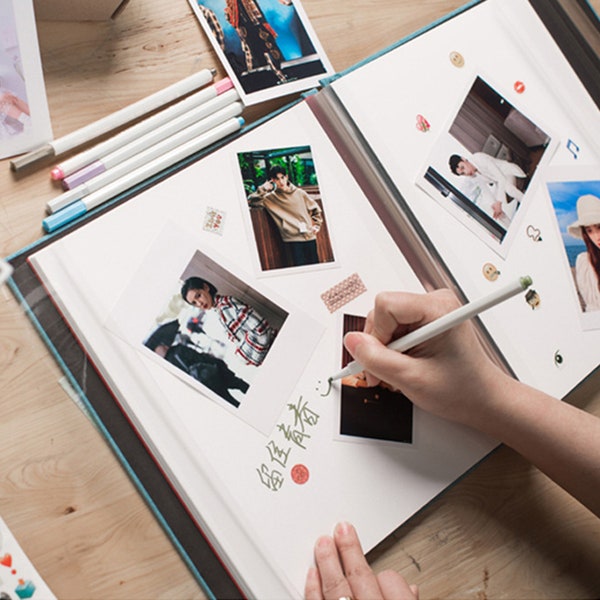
[(526, 281)]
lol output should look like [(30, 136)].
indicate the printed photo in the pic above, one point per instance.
[(216, 329), (285, 208), (482, 167), (231, 340), (576, 203), (266, 46), (24, 118), (374, 413)]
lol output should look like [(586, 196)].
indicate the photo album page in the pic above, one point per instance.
[(478, 130)]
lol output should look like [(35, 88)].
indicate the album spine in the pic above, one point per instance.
[(390, 206)]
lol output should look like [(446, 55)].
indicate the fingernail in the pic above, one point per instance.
[(324, 542), (351, 341), (343, 528)]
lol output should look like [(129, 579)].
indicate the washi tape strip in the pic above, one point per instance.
[(214, 220), (343, 292)]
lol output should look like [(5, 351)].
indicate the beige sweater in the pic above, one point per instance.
[(297, 216)]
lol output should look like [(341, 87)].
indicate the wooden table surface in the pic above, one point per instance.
[(505, 531)]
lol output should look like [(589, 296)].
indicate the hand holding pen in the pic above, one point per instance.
[(446, 370)]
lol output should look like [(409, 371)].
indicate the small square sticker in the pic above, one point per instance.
[(214, 220)]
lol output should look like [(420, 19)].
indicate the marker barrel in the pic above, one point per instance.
[(162, 131), (155, 151), (134, 132), (133, 111), (81, 207), (116, 119)]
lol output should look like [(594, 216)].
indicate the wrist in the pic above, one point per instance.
[(496, 405)]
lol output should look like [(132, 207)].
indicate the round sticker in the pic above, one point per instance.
[(490, 272), (457, 59), (519, 87), (300, 474)]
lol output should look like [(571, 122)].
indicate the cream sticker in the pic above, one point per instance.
[(214, 220)]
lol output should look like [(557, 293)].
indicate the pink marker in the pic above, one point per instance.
[(137, 131)]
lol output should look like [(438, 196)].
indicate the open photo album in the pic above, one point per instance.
[(212, 301)]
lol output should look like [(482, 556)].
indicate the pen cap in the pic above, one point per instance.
[(82, 175), (23, 161), (223, 85), (64, 216), (65, 199)]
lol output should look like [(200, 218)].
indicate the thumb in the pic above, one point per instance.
[(379, 362), (365, 349), (361, 346)]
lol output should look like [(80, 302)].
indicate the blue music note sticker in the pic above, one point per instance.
[(573, 148)]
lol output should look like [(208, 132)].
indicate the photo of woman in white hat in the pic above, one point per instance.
[(587, 265)]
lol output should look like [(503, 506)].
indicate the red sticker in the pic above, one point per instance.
[(6, 560), (300, 474), (519, 87)]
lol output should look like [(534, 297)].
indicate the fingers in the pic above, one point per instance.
[(342, 571), (379, 363), (396, 313), (394, 587), (333, 583), (393, 315), (360, 577), (312, 587)]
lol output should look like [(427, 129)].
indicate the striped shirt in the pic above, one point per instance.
[(251, 333)]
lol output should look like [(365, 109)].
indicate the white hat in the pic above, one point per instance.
[(588, 213)]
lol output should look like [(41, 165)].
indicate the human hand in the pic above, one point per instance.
[(449, 376), (268, 186), (342, 571)]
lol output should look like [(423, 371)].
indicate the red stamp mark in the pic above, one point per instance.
[(300, 474), (519, 87)]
